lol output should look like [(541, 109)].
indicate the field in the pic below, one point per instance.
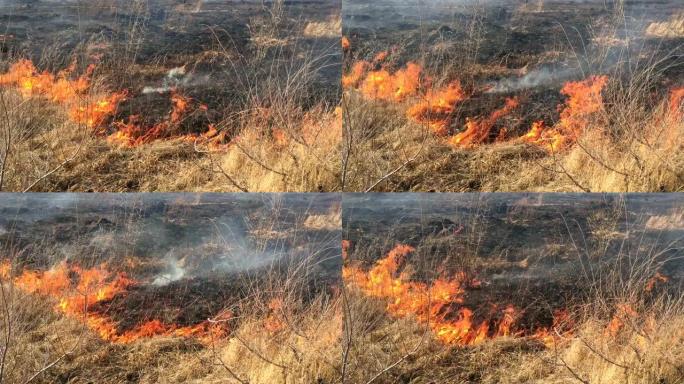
[(177, 288), (169, 95), (513, 288), (524, 95)]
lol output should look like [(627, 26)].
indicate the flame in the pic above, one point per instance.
[(560, 329), (438, 304), (345, 249), (622, 313), (93, 110), (477, 131), (83, 108), (383, 85), (657, 278), (274, 321), (675, 103), (346, 45), (434, 109), (77, 290), (357, 72), (133, 134), (381, 56), (584, 101)]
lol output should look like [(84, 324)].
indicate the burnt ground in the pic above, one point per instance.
[(138, 44), (515, 48), (527, 249), (192, 255)]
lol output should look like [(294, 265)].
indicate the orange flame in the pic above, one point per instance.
[(675, 103), (381, 56), (346, 45), (274, 321), (93, 110), (438, 304), (132, 134), (477, 131), (383, 85), (357, 72), (76, 290), (584, 101), (622, 313), (90, 110), (434, 109), (657, 278)]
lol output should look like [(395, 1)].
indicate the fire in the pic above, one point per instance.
[(434, 109), (346, 44), (357, 72), (657, 278), (380, 56), (383, 85), (477, 131), (83, 108), (92, 110), (676, 108), (133, 133), (623, 313), (77, 291), (274, 322), (584, 101), (439, 304)]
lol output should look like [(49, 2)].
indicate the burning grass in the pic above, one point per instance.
[(47, 346), (170, 288), (239, 116), (550, 119), (446, 310)]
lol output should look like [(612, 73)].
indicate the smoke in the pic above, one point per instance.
[(177, 78), (544, 76)]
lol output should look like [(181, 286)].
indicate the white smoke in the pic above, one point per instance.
[(537, 77), (175, 78)]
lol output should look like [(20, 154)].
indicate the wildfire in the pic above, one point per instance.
[(274, 322), (84, 106), (346, 44), (357, 72), (584, 101), (435, 108), (657, 278), (77, 291), (132, 134), (383, 85), (477, 131), (622, 314), (439, 304)]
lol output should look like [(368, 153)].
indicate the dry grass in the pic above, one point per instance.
[(284, 135), (614, 265), (632, 145), (306, 350), (392, 350), (387, 152)]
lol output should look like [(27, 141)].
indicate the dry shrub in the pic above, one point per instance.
[(670, 29), (633, 356), (331, 28)]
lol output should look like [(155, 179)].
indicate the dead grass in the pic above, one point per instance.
[(284, 135), (50, 348), (387, 152), (401, 350)]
